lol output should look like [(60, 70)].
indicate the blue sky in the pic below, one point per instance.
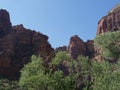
[(59, 19)]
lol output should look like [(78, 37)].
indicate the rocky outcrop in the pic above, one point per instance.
[(5, 24), (110, 22), (78, 47), (17, 44), (90, 48), (62, 48)]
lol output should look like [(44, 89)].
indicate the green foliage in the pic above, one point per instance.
[(110, 42), (34, 76), (106, 76), (84, 74), (60, 57), (6, 84), (62, 82), (79, 73)]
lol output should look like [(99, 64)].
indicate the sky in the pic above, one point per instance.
[(59, 19)]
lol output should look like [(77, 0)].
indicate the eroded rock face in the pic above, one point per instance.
[(62, 48), (76, 47), (5, 24), (17, 45), (110, 22), (90, 48)]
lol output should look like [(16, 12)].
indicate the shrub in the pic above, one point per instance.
[(34, 75), (106, 76), (110, 43)]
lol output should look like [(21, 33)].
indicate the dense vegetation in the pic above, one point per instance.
[(84, 74), (110, 43), (6, 84), (63, 73)]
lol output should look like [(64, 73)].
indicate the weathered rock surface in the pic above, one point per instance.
[(5, 24), (62, 48), (110, 22), (17, 44), (90, 48), (78, 47)]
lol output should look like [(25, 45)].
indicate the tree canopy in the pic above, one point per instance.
[(110, 44)]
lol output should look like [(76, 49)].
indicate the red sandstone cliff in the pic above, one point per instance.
[(78, 47), (17, 44), (110, 22)]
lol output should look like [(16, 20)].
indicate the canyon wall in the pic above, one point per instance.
[(17, 45)]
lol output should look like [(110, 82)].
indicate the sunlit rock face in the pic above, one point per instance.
[(110, 22), (17, 45)]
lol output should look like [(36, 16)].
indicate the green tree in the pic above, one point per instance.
[(6, 84), (106, 76), (63, 73), (82, 74), (33, 75), (85, 72), (110, 43), (79, 77)]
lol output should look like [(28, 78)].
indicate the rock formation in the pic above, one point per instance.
[(110, 22), (62, 48), (17, 44), (90, 48), (5, 24), (77, 47)]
